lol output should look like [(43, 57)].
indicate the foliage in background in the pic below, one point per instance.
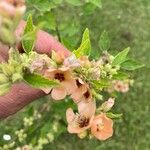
[(127, 24)]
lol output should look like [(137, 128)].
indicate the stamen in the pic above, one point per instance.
[(83, 121), (87, 94), (59, 76)]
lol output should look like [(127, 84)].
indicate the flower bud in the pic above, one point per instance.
[(7, 69), (106, 106), (16, 77), (57, 57), (82, 134), (3, 78)]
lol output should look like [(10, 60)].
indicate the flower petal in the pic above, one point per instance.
[(70, 115), (70, 86), (87, 109), (46, 90), (78, 93), (58, 93)]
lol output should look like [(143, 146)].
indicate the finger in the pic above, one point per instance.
[(20, 95)]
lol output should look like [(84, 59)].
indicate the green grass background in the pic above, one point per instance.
[(128, 24)]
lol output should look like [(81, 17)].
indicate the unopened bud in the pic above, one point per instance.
[(106, 106), (82, 134), (3, 78), (57, 57)]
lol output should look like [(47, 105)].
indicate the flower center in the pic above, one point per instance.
[(83, 121), (59, 76), (78, 83), (100, 126), (87, 94)]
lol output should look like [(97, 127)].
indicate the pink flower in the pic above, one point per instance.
[(67, 83), (102, 127), (82, 92), (121, 86)]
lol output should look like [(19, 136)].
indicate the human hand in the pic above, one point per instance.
[(22, 94)]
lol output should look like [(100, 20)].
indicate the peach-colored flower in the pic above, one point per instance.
[(102, 127), (85, 108), (82, 92), (67, 82), (78, 123), (121, 86), (12, 7), (107, 105)]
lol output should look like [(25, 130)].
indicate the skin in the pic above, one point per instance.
[(22, 94)]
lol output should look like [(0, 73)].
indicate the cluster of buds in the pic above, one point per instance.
[(10, 72), (11, 12)]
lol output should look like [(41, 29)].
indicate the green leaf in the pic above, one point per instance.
[(113, 116), (39, 5), (102, 83), (89, 8), (104, 42), (121, 57), (97, 3), (85, 47), (38, 81), (48, 19), (29, 33), (131, 65), (120, 76)]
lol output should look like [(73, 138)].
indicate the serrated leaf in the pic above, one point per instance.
[(104, 42), (113, 116), (38, 81), (85, 47), (29, 33), (131, 64), (121, 57)]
